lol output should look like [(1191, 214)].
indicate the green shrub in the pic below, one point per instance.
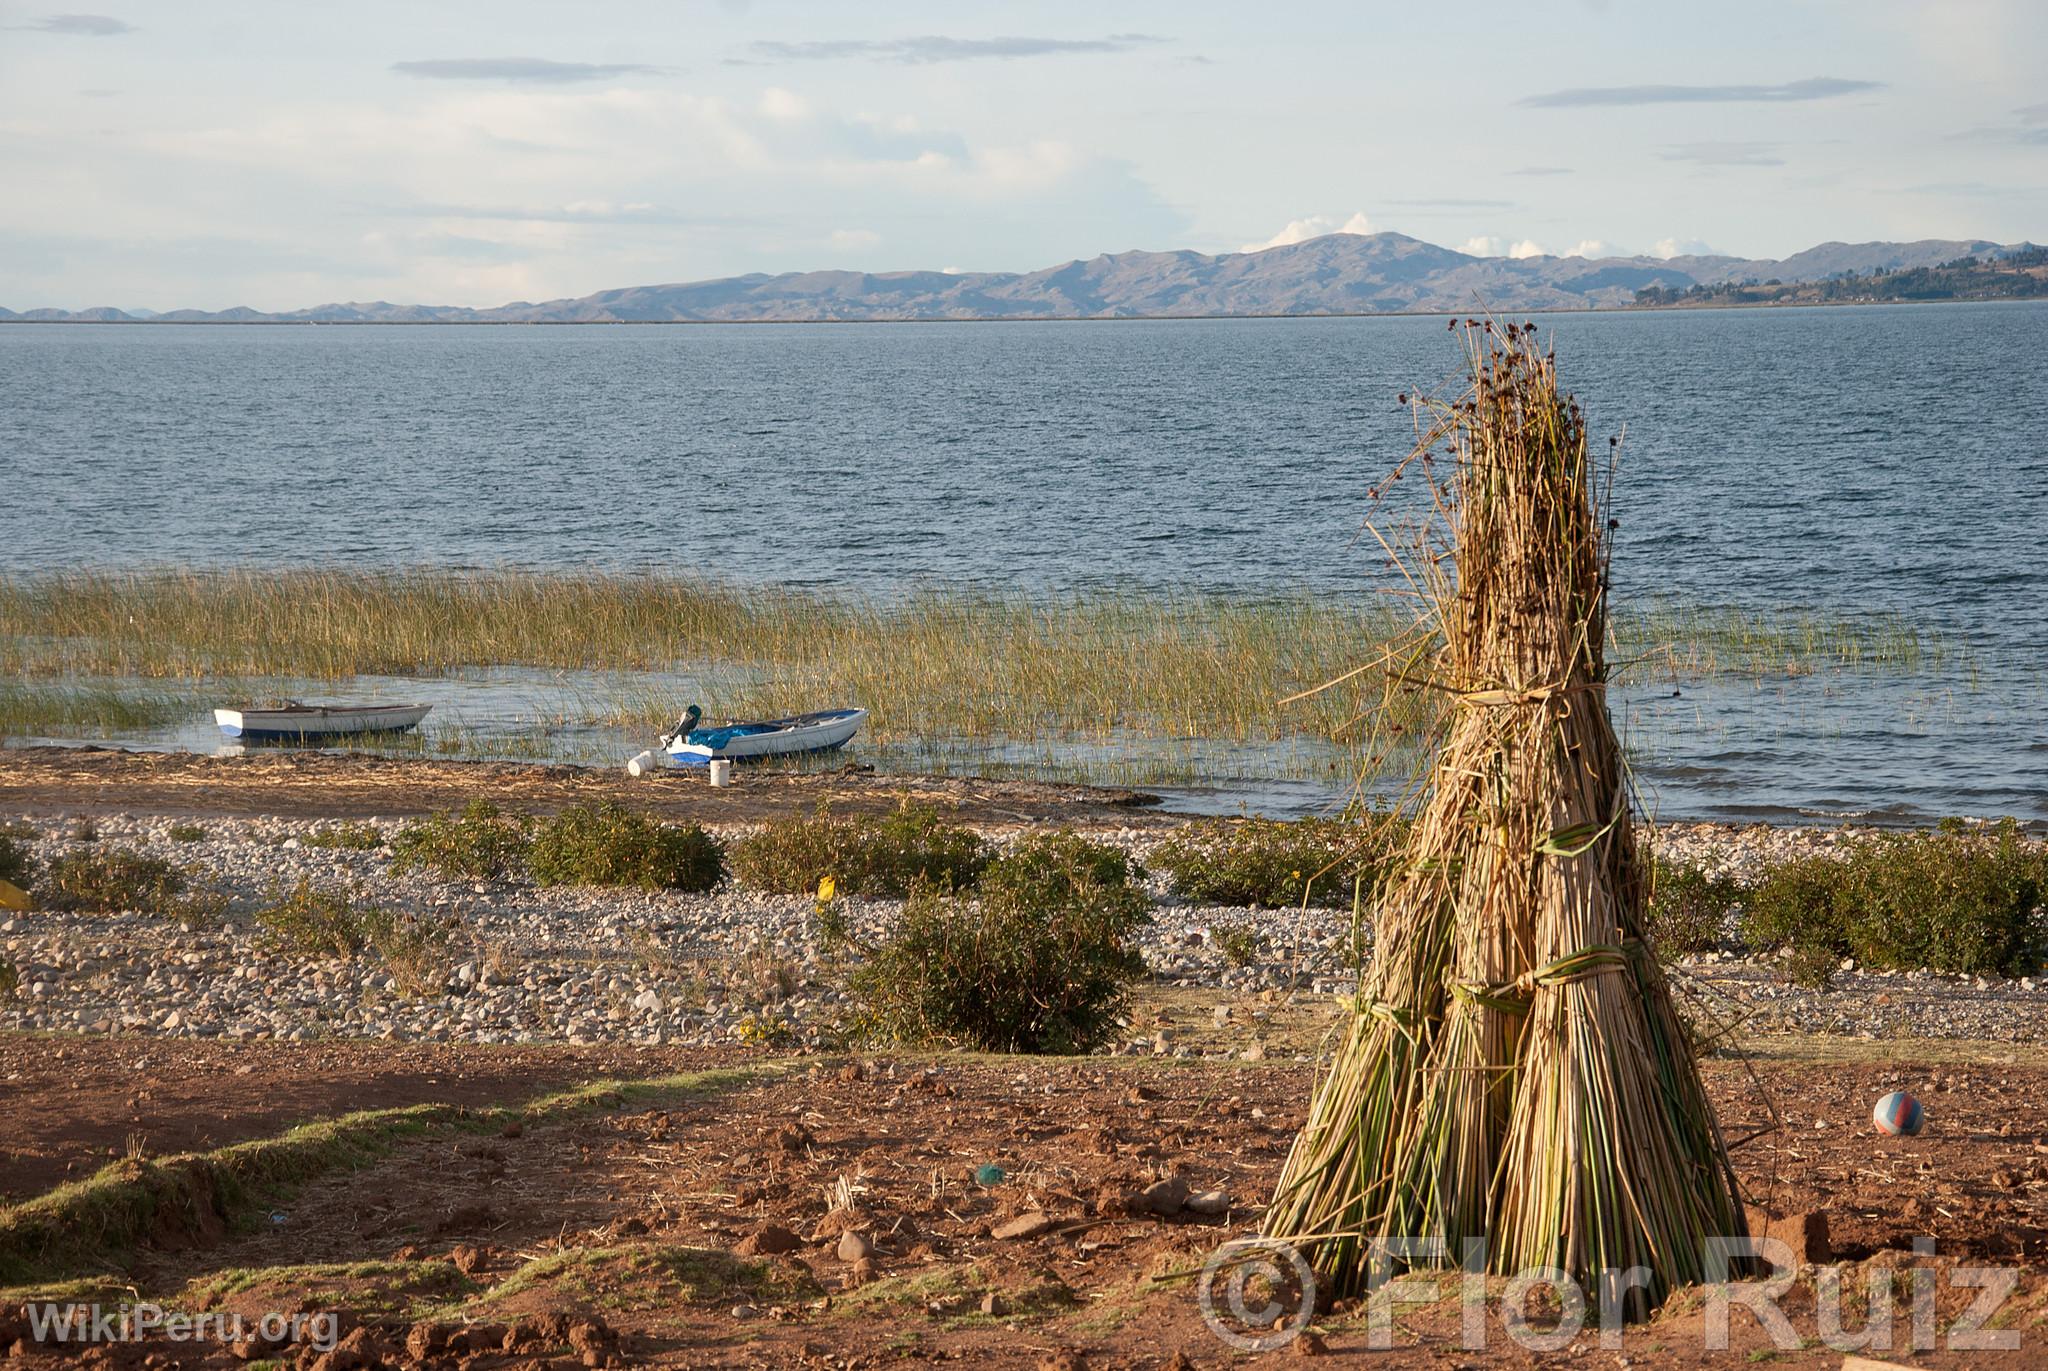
[(1956, 903), (1239, 943), (17, 861), (1014, 967), (480, 843), (1689, 909), (329, 921), (186, 833), (1941, 901), (605, 844), (353, 837), (10, 980), (1059, 860), (110, 880), (1273, 862), (866, 856), (314, 921)]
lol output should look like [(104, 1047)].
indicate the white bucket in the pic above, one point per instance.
[(721, 771), (640, 765)]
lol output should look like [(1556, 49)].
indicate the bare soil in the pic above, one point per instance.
[(709, 1232), (318, 785)]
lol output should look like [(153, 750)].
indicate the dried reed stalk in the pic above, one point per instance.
[(1515, 1070)]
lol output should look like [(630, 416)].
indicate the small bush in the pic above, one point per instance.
[(1689, 909), (111, 880), (186, 833), (17, 862), (10, 980), (1944, 901), (606, 844), (867, 856), (315, 921), (352, 837), (1061, 860), (1272, 862), (1010, 968), (1239, 943), (329, 921), (480, 843)]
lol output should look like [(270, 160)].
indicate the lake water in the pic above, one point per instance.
[(1858, 462)]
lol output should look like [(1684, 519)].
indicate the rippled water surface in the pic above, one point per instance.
[(1852, 462)]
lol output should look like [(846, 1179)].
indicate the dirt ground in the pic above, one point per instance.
[(710, 1231), (316, 785)]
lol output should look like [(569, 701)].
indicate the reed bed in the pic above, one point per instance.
[(74, 709), (1101, 666), (1515, 1072), (967, 666)]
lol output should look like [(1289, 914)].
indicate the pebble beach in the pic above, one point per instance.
[(607, 966)]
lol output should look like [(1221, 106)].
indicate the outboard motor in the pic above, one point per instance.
[(691, 717)]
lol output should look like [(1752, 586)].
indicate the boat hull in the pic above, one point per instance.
[(316, 724), (826, 731)]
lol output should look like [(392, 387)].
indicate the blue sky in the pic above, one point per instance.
[(176, 153)]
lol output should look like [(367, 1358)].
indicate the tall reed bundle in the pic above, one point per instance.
[(1515, 1071)]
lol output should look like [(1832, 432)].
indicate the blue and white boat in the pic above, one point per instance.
[(297, 723), (687, 745)]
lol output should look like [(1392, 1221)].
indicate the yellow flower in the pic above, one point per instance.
[(827, 888)]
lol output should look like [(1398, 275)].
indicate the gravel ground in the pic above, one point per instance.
[(609, 966)]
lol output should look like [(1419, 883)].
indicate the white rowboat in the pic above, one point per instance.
[(311, 723)]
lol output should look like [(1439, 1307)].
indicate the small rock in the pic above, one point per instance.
[(1163, 1198), (769, 1240), (1024, 1226), (1209, 1202), (854, 1246), (994, 1305)]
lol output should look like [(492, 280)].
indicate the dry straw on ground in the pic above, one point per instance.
[(1515, 1071)]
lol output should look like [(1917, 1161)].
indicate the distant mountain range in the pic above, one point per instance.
[(1342, 273)]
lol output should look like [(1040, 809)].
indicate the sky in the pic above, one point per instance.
[(173, 153)]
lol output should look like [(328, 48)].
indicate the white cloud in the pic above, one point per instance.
[(1315, 226), (1592, 247), (1526, 248), (855, 240), (1681, 247), (1481, 246), (784, 105)]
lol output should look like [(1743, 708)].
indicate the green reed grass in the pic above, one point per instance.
[(74, 709), (968, 665), (1101, 666)]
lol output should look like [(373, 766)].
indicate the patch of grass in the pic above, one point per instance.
[(864, 856), (670, 1272), (1689, 909), (1044, 967), (186, 833), (370, 1290), (350, 836), (607, 844), (1953, 901), (78, 709), (481, 843), (1275, 863), (91, 1225), (111, 880)]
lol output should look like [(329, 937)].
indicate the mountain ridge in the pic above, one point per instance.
[(1339, 273)]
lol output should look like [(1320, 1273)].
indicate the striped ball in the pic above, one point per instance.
[(1896, 1113)]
